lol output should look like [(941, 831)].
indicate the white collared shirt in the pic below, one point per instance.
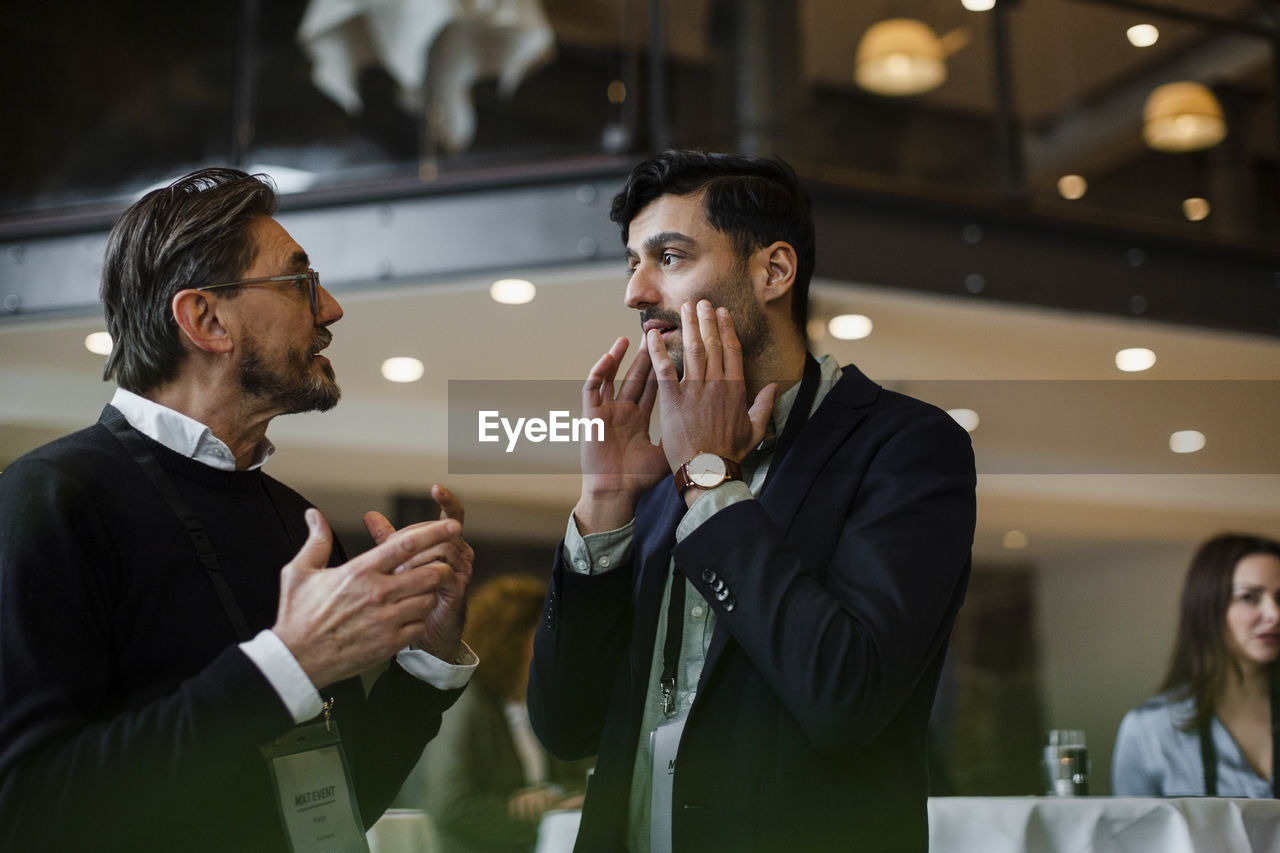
[(183, 434), (194, 440)]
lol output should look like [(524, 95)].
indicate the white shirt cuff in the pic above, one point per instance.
[(282, 670), (425, 666)]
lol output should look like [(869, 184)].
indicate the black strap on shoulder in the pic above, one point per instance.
[(1273, 688), (675, 606), (1209, 758), (137, 448), (799, 414)]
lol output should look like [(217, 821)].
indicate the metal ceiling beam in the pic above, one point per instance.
[(407, 240), (985, 253), (960, 249)]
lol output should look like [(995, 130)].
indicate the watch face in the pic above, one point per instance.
[(706, 470)]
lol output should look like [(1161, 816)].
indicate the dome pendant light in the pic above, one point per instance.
[(900, 56), (1182, 117)]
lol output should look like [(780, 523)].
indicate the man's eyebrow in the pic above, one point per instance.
[(655, 242), (299, 261)]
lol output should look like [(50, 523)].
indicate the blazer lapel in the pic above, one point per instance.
[(837, 416), (658, 521)]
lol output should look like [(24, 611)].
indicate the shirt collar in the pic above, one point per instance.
[(829, 375), (182, 434)]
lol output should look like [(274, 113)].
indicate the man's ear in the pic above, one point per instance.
[(779, 261), (197, 316)]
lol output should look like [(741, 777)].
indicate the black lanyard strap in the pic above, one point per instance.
[(675, 605), (1209, 758), (1209, 753), (799, 414), (1273, 691), (137, 448)]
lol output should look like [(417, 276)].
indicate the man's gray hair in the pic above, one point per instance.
[(191, 233)]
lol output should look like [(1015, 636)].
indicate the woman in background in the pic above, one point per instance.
[(487, 779), (1208, 732)]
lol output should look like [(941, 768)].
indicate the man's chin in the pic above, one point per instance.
[(319, 398), (328, 398)]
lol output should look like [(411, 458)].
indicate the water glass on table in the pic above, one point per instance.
[(1066, 763)]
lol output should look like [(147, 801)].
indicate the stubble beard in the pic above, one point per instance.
[(294, 386), (732, 292)]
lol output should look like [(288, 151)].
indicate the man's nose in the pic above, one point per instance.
[(327, 308), (640, 288)]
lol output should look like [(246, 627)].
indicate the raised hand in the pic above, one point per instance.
[(707, 409), (342, 621), (618, 470), (442, 635)]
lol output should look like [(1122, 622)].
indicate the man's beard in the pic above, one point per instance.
[(293, 385), (733, 292)]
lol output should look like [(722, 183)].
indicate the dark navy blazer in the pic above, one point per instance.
[(837, 588)]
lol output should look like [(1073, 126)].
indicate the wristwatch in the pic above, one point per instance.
[(706, 470)]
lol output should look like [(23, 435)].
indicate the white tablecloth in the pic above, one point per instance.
[(1103, 825)]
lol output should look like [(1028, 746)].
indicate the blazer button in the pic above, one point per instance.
[(722, 595), (708, 575), (717, 585), (730, 604)]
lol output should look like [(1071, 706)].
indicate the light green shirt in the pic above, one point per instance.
[(600, 552)]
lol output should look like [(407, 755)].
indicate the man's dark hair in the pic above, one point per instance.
[(755, 201), (191, 233)]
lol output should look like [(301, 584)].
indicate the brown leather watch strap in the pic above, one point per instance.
[(732, 471)]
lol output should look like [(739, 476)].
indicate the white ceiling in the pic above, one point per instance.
[(1062, 423)]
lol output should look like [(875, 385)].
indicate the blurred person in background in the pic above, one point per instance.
[(1209, 731), (485, 780)]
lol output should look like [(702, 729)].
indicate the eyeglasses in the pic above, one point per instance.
[(311, 278)]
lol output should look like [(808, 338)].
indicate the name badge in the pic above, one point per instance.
[(666, 742), (314, 792)]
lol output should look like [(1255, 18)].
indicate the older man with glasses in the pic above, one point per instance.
[(181, 637)]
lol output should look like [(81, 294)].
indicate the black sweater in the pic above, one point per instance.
[(129, 716)]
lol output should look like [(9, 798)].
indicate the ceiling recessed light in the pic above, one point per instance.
[(978, 5), (967, 418), (1072, 187), (512, 291), (1142, 35), (1135, 359), (1195, 208), (402, 369), (1186, 441), (850, 327), (1015, 540), (98, 343)]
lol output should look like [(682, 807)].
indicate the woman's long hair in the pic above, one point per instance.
[(501, 614), (1201, 660)]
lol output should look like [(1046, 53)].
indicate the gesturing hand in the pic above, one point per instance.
[(707, 409), (442, 635), (342, 621), (619, 469)]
